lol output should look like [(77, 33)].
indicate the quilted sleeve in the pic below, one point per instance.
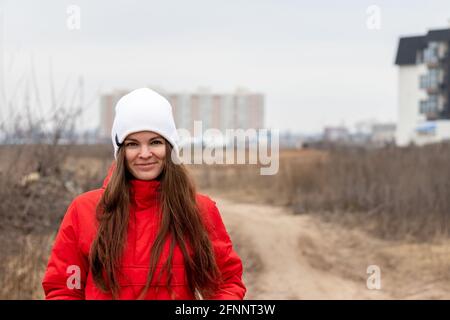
[(67, 268), (228, 261)]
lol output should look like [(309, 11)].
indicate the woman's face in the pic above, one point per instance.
[(145, 152)]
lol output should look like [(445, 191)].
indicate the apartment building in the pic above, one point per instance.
[(423, 88), (239, 110)]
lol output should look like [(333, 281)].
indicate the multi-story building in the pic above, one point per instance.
[(107, 105), (423, 88), (241, 110)]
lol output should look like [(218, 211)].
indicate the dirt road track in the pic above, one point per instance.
[(271, 242)]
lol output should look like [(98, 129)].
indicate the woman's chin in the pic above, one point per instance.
[(147, 175)]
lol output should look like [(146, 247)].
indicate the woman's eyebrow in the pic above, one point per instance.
[(135, 140)]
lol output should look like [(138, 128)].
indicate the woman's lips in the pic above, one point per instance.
[(146, 165)]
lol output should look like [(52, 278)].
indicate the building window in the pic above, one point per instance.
[(431, 80), (433, 76), (429, 106), (430, 53)]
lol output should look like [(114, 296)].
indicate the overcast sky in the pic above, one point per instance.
[(316, 62)]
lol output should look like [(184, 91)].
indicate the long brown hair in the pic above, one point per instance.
[(180, 220)]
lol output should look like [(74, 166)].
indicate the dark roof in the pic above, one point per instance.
[(407, 49), (408, 46), (438, 35)]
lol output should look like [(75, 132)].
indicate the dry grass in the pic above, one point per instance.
[(385, 207), (408, 270), (35, 194), (21, 272), (396, 194)]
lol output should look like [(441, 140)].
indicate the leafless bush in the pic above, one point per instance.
[(34, 187), (394, 192), (405, 190), (21, 271), (33, 203)]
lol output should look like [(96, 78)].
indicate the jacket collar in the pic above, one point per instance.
[(143, 193)]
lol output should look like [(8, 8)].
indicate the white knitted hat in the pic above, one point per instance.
[(143, 110)]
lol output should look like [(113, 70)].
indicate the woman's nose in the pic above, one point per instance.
[(146, 152)]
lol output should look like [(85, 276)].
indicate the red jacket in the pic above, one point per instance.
[(79, 227)]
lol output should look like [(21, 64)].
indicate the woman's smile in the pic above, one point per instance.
[(146, 166)]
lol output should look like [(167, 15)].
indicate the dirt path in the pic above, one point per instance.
[(274, 243)]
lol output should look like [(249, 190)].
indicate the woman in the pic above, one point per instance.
[(145, 234)]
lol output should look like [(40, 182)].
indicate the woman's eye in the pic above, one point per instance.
[(156, 142), (131, 144)]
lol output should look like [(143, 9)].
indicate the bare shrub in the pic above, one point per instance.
[(34, 188), (393, 192), (406, 190)]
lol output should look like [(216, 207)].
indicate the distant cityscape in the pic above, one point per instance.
[(242, 109), (423, 107), (245, 109)]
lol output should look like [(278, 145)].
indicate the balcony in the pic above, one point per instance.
[(432, 62), (430, 107), (432, 81), (431, 57)]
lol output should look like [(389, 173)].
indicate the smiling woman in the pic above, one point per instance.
[(145, 152), (146, 234)]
